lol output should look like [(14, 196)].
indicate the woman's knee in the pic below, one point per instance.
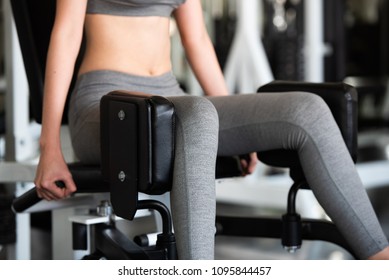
[(308, 108), (196, 111)]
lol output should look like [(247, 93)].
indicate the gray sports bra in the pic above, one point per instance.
[(133, 8)]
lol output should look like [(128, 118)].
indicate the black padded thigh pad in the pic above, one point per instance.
[(137, 145)]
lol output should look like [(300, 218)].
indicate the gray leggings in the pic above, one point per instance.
[(234, 125)]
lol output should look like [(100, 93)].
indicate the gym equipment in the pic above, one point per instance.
[(33, 22)]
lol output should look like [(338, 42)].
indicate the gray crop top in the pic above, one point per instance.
[(133, 8)]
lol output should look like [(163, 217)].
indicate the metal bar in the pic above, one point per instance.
[(18, 140), (11, 172), (247, 66), (314, 49)]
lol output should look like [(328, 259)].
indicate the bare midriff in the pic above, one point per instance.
[(133, 45)]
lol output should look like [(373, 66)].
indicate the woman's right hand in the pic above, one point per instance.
[(51, 169)]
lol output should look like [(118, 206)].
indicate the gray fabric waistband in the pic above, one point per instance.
[(165, 84), (133, 8)]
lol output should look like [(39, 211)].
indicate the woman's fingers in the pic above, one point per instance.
[(56, 190), (249, 163)]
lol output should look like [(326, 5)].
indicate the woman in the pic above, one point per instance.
[(128, 48)]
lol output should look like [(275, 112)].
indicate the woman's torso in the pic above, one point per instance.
[(130, 36)]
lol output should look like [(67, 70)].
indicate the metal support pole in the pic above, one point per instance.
[(247, 66), (18, 136), (314, 49)]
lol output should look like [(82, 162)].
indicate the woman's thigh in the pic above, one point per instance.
[(266, 121)]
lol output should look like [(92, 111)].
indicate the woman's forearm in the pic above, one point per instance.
[(204, 63), (199, 48), (64, 46), (59, 71)]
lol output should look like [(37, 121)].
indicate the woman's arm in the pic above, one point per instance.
[(199, 48), (202, 58), (64, 46)]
